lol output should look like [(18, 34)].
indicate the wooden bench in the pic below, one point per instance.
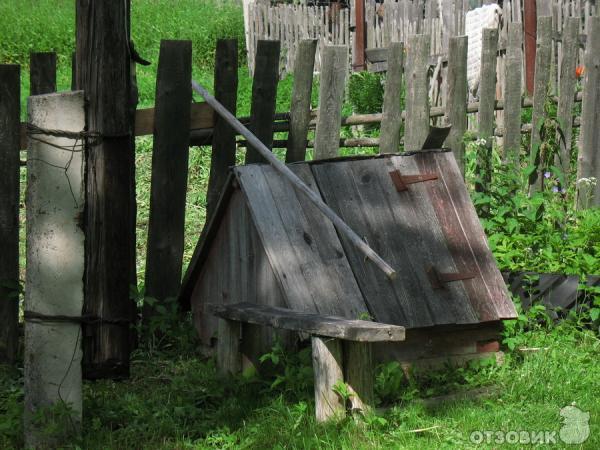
[(341, 350)]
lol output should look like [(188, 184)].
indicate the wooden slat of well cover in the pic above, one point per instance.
[(403, 229), (301, 244), (465, 238)]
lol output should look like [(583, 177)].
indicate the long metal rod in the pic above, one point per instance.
[(296, 182)]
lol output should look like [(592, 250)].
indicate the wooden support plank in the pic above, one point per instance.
[(334, 68), (55, 268), (588, 161), (391, 120), (164, 258), (456, 100), (42, 70), (359, 375), (327, 366), (487, 98), (568, 84), (223, 142), (10, 111), (317, 324), (301, 97), (103, 73), (229, 358), (417, 92), (543, 61), (264, 96), (513, 88)]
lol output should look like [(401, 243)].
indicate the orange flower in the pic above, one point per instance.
[(579, 71)]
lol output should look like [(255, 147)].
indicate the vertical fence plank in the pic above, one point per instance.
[(331, 98), (301, 96), (10, 140), (42, 78), (391, 121), (264, 95), (103, 73), (169, 173), (588, 161), (417, 92), (456, 100), (568, 82), (223, 143), (55, 269), (540, 93), (513, 88), (487, 100)]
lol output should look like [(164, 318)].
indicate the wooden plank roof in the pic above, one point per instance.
[(428, 231)]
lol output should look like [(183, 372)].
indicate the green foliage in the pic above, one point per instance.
[(365, 92)]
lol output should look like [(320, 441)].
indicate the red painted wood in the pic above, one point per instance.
[(358, 55)]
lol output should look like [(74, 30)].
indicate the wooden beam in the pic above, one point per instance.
[(334, 66), (301, 97), (391, 119), (166, 225), (223, 141), (10, 110), (457, 95), (42, 69), (328, 368), (264, 96), (103, 73), (328, 326), (297, 183)]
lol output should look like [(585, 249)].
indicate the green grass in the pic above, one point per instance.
[(179, 401)]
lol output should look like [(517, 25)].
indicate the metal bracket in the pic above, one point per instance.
[(439, 279), (402, 181)]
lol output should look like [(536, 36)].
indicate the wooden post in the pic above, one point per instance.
[(359, 375), (417, 92), (301, 96), (264, 96), (334, 67), (55, 268), (358, 51), (513, 88), (327, 365), (42, 70), (530, 26), (169, 174), (229, 358), (391, 120), (103, 72), (540, 95), (223, 142), (568, 83), (487, 101), (588, 161), (456, 100), (10, 133)]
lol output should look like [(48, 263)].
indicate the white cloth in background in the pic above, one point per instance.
[(487, 16)]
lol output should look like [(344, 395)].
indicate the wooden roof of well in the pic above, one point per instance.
[(427, 231)]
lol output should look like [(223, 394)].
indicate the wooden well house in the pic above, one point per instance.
[(267, 247)]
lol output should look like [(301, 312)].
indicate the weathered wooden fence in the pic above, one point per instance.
[(322, 128)]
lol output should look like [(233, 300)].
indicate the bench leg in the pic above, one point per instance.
[(358, 374), (327, 365), (229, 358)]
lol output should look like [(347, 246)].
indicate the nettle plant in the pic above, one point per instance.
[(539, 231)]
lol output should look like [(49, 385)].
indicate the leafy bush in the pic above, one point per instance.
[(365, 92)]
